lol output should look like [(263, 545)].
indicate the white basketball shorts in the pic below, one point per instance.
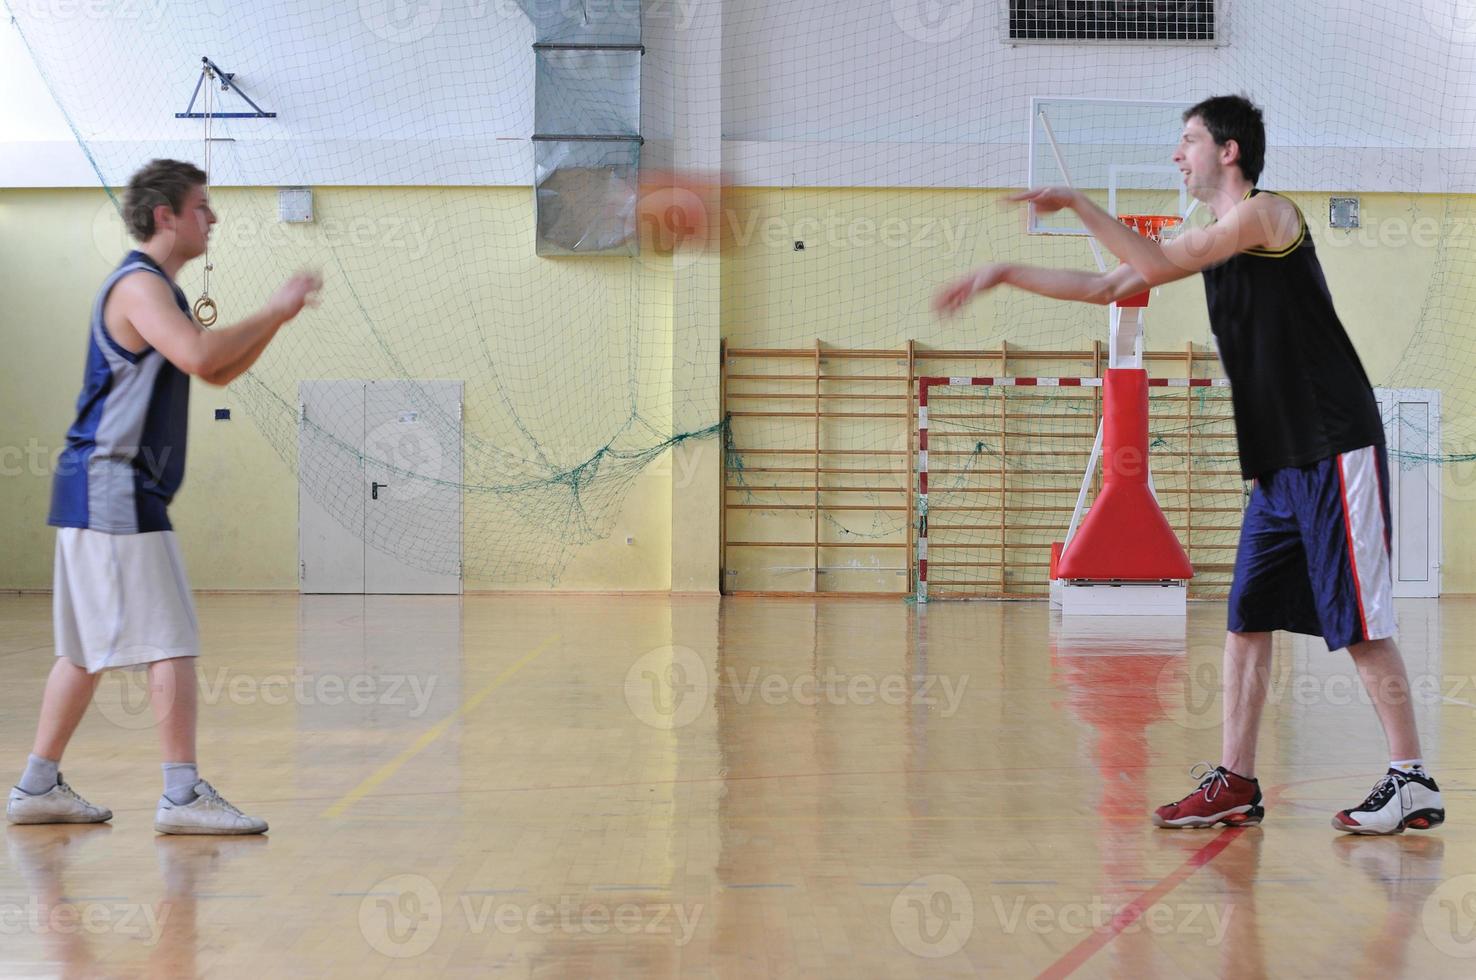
[(121, 600)]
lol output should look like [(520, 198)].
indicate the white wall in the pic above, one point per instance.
[(1359, 96), (440, 95)]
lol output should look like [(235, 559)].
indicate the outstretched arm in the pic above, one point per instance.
[(1260, 222), (288, 301), (144, 304), (1084, 287)]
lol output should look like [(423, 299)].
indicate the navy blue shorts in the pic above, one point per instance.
[(1314, 552)]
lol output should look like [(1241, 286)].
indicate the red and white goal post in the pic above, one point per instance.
[(1125, 540)]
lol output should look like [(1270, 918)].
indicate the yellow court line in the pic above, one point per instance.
[(428, 738)]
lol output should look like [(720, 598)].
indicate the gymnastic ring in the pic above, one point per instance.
[(205, 311)]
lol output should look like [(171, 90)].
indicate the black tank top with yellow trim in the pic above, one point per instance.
[(1299, 390)]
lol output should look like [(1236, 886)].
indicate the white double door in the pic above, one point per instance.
[(379, 487), (1412, 431)]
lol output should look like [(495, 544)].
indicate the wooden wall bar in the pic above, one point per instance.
[(820, 469)]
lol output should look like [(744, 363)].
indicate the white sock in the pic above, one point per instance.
[(40, 776), (179, 782), (1408, 766)]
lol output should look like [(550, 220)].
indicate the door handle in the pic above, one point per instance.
[(374, 489)]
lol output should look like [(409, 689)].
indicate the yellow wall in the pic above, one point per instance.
[(462, 264), (853, 286), (459, 267)]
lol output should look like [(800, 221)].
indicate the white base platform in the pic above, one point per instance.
[(1076, 598), (1118, 636)]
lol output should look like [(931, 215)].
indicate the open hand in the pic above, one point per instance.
[(1047, 200), (299, 291), (957, 294)]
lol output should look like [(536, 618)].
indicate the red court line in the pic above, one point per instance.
[(1134, 910), (1090, 946)]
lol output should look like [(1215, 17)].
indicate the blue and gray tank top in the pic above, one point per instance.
[(125, 453)]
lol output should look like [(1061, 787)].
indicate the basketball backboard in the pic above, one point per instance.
[(1118, 151)]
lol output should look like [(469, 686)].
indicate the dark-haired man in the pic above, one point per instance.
[(121, 598), (1315, 542)]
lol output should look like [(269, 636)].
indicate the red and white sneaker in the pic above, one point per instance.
[(1222, 797), (1398, 802)]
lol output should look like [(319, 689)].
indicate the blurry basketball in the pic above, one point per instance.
[(675, 208)]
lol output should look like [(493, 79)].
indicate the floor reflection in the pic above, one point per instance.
[(1116, 676)]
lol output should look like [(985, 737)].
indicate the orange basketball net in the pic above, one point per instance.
[(1149, 226)]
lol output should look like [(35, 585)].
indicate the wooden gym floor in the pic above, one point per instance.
[(652, 786)]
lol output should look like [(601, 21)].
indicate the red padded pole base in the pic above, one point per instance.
[(1125, 535)]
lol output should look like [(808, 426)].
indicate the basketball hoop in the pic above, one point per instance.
[(1151, 225), (1154, 226)]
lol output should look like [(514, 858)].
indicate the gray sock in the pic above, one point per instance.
[(179, 782), (40, 775)]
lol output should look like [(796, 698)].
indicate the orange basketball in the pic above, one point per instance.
[(675, 209)]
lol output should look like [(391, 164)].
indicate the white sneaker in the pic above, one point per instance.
[(60, 804), (1397, 802), (209, 813)]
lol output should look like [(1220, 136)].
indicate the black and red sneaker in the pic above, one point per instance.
[(1400, 801), (1222, 797)]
